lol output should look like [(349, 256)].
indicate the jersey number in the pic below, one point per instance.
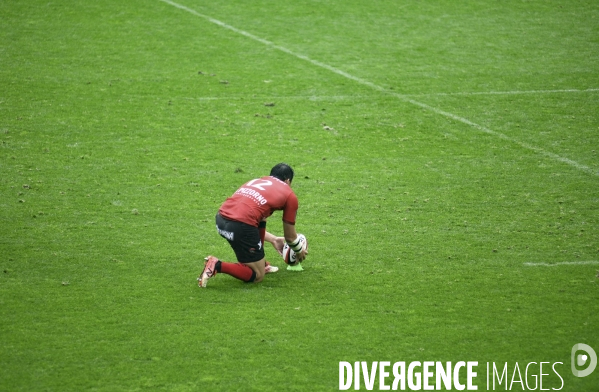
[(260, 185)]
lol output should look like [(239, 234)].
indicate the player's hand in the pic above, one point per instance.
[(278, 244), (301, 256)]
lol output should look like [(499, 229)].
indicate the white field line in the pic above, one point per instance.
[(402, 97), (523, 92), (592, 262), (349, 97), (282, 98)]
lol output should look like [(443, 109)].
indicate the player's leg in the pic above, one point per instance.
[(262, 231), (264, 235), (258, 268), (246, 241), (248, 272)]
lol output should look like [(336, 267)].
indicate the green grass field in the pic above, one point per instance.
[(446, 166)]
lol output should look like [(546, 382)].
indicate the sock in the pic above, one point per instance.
[(237, 270)]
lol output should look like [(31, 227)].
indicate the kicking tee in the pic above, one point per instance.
[(258, 199)]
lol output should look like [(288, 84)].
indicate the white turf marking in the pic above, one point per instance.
[(358, 96), (572, 90), (286, 97), (562, 263), (402, 97)]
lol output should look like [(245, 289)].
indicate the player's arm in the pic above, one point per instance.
[(292, 239), (277, 242)]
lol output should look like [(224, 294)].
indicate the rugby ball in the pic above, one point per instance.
[(289, 255)]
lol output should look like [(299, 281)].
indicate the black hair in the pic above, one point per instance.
[(282, 171)]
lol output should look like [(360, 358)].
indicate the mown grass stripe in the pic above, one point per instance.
[(403, 97), (591, 262), (516, 92)]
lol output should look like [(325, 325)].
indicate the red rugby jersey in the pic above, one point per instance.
[(258, 199)]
